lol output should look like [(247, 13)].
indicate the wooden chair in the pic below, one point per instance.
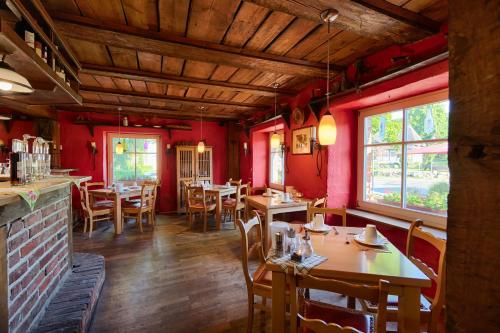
[(198, 202), (318, 202), (260, 282), (233, 206), (91, 212), (145, 206), (325, 318), (154, 183), (430, 308), (342, 212), (100, 201), (234, 182)]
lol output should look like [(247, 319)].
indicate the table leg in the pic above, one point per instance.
[(409, 310), (218, 208), (279, 302), (267, 230), (118, 214)]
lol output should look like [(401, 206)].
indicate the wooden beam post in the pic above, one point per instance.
[(472, 270)]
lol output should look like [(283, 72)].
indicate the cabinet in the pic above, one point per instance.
[(192, 167)]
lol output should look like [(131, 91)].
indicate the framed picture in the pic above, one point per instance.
[(301, 140)]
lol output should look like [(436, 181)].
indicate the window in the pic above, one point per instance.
[(140, 158), (276, 165), (403, 153)]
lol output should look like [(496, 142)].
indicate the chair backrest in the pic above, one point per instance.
[(94, 184), (234, 182), (342, 212), (155, 184), (195, 195), (147, 195), (245, 189), (85, 199), (246, 249), (439, 278), (376, 294)]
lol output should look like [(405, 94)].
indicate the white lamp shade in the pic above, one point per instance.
[(327, 130), (275, 141), (11, 81), (201, 147), (119, 148)]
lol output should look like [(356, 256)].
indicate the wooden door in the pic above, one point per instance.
[(192, 166), (185, 172)]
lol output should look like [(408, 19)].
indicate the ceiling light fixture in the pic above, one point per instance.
[(201, 144), (12, 81), (119, 145), (275, 138), (327, 129)]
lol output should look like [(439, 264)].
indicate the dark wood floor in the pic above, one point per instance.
[(170, 279)]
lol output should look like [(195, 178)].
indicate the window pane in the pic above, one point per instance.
[(123, 167), (146, 166), (384, 128), (146, 145), (128, 144), (277, 168), (426, 122), (383, 175), (427, 177)]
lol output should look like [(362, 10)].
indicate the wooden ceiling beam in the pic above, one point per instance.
[(132, 74), (190, 101), (141, 110), (123, 36), (368, 18)]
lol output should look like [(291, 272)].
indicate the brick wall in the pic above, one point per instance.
[(37, 247)]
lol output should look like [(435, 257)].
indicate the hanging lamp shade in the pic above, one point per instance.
[(12, 81), (119, 148), (275, 141), (327, 130), (201, 147)]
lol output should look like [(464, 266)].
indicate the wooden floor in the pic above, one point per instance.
[(170, 279)]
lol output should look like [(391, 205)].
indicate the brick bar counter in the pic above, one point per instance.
[(35, 251)]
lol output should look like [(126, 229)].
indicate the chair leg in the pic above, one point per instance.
[(91, 223), (205, 220), (190, 220), (264, 302), (250, 314), (234, 218), (139, 221), (85, 221)]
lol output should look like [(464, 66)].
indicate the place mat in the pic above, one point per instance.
[(29, 195), (303, 267)]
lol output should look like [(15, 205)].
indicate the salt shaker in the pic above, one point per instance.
[(307, 248)]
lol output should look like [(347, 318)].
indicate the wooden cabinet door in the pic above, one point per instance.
[(204, 166)]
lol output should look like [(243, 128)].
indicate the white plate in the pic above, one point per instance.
[(360, 238), (267, 195), (324, 228)]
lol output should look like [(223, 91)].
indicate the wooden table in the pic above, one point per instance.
[(270, 206), (117, 199), (349, 262), (218, 192)]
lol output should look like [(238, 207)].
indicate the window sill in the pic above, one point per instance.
[(402, 224)]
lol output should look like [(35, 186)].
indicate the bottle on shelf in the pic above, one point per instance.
[(18, 163), (38, 46), (25, 31)]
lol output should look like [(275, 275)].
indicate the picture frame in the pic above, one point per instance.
[(301, 140)]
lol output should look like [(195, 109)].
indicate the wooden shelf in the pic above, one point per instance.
[(49, 87)]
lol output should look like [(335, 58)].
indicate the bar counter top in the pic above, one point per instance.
[(42, 186)]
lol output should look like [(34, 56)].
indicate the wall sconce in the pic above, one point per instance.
[(245, 148), (169, 149), (93, 152), (316, 145)]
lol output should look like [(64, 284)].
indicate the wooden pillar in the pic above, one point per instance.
[(473, 267), (233, 150)]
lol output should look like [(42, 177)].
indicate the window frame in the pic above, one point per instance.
[(275, 185), (110, 150), (430, 219)]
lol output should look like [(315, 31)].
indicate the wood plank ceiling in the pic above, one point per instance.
[(173, 56)]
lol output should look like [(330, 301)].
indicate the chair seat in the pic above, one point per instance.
[(392, 304), (263, 276), (104, 203), (229, 202), (338, 315), (100, 208), (200, 206)]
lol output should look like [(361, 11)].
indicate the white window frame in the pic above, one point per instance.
[(433, 220), (274, 185), (110, 150)]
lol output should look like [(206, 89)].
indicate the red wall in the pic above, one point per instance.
[(76, 154), (18, 128)]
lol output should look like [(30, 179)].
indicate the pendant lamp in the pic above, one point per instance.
[(119, 145), (275, 138), (12, 81), (201, 144), (327, 129)]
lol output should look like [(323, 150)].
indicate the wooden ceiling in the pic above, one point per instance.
[(170, 57)]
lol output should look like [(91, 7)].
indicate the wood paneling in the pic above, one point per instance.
[(173, 15), (125, 58), (269, 30), (245, 24), (141, 13), (291, 36)]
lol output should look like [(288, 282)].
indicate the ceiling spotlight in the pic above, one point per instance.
[(12, 81)]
